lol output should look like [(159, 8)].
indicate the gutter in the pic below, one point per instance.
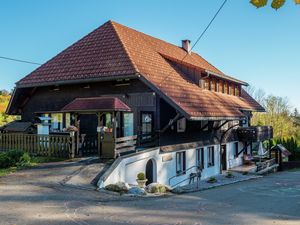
[(227, 78), (78, 81), (216, 118)]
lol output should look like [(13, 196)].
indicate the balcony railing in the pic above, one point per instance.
[(255, 133)]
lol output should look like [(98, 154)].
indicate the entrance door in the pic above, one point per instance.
[(224, 157), (150, 172), (88, 134)]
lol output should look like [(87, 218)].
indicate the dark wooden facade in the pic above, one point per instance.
[(139, 97)]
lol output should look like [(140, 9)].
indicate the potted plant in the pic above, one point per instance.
[(109, 126), (229, 175), (212, 180), (141, 180)]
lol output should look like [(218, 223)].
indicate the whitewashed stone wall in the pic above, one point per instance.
[(126, 168)]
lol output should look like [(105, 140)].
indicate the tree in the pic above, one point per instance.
[(276, 4), (4, 100), (278, 116)]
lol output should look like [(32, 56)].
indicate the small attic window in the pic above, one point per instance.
[(206, 84), (231, 89), (212, 85), (221, 86), (225, 88), (237, 90)]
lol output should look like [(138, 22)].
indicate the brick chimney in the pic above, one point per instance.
[(186, 45)]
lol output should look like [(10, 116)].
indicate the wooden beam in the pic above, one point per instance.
[(170, 123), (217, 128), (27, 98)]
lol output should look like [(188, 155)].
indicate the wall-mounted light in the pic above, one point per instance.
[(55, 88), (85, 86)]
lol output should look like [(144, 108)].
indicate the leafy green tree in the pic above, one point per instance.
[(275, 4), (277, 115), (4, 100)]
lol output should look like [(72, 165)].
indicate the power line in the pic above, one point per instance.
[(19, 60), (201, 35), (196, 42)]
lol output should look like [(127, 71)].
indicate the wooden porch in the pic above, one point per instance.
[(65, 145)]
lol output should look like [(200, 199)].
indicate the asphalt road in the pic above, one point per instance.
[(35, 196)]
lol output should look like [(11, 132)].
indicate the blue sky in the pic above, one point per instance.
[(260, 46)]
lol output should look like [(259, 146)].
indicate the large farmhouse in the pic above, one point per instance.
[(157, 107)]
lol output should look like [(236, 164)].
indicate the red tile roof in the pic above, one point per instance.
[(115, 50), (96, 104)]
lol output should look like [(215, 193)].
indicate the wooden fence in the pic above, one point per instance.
[(125, 144), (39, 145)]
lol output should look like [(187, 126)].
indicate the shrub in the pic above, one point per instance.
[(4, 160), (141, 176), (158, 189), (15, 156), (24, 161)]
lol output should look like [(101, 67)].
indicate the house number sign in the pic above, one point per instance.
[(167, 157)]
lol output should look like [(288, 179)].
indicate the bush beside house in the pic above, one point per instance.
[(18, 159)]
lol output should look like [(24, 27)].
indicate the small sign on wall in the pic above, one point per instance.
[(167, 157)]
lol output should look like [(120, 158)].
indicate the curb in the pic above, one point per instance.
[(217, 185)]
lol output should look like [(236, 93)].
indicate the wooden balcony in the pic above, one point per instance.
[(254, 133)]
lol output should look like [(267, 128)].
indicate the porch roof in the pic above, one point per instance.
[(282, 149), (96, 104)]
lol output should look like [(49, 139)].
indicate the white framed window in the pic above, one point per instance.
[(128, 124), (67, 120), (200, 157), (56, 121), (180, 163), (181, 125), (210, 156), (236, 149)]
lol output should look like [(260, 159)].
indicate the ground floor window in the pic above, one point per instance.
[(146, 125), (67, 120), (128, 124), (200, 157), (236, 149), (180, 163), (56, 121), (211, 156)]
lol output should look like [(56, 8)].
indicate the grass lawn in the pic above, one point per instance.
[(6, 171), (34, 162)]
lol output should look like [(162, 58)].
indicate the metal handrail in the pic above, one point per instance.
[(183, 172), (179, 182)]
